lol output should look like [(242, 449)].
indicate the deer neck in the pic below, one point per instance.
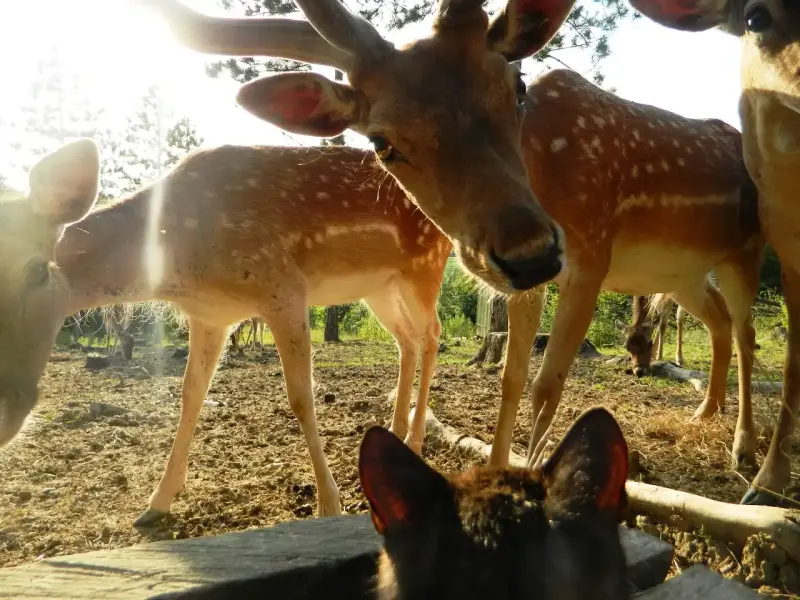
[(104, 257)]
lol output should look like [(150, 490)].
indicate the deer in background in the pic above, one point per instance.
[(639, 334), (116, 322), (239, 231), (648, 201), (770, 113), (443, 113), (509, 534), (257, 330)]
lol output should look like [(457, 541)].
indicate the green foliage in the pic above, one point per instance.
[(610, 307), (770, 271), (458, 296)]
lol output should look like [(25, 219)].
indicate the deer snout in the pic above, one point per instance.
[(15, 406), (640, 371), (526, 252)]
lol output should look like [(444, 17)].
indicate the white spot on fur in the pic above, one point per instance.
[(553, 93), (581, 122), (308, 243), (323, 196), (558, 144), (345, 204), (407, 203)]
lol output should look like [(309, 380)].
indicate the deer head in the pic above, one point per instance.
[(639, 344), (502, 533), (443, 113), (33, 293)]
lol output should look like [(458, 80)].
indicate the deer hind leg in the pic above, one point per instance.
[(391, 310), (206, 343), (290, 328), (524, 316), (775, 473), (420, 298), (680, 321), (739, 286), (707, 304), (576, 306)]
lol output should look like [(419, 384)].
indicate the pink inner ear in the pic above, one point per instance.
[(297, 105), (668, 8)]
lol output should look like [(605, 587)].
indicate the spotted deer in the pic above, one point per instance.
[(504, 533), (229, 233), (443, 113), (256, 333), (639, 340), (648, 201), (769, 31)]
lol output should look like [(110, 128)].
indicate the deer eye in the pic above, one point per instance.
[(38, 273), (522, 91), (758, 19), (383, 148)]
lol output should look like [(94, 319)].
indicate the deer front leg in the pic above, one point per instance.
[(706, 303), (205, 347), (576, 304), (290, 328), (430, 353), (775, 473), (524, 316), (680, 319)]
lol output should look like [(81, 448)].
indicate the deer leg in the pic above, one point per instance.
[(775, 473), (663, 321), (739, 286), (420, 299), (680, 320), (390, 309), (706, 303), (290, 328), (205, 347), (524, 316), (576, 305)]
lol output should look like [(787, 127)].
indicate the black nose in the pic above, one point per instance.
[(640, 371), (528, 272)]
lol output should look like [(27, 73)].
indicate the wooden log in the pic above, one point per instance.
[(699, 380), (728, 522), (698, 583), (316, 558)]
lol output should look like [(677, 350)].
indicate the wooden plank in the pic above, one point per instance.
[(698, 583), (310, 552)]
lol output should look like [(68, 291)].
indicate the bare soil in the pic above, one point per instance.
[(83, 469)]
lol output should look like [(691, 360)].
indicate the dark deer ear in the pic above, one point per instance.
[(589, 466), (398, 484), (524, 27)]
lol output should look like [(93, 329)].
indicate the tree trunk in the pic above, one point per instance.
[(499, 320), (491, 352), (332, 324)]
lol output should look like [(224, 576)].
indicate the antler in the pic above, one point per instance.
[(332, 36)]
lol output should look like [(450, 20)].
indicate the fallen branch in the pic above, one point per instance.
[(728, 522), (699, 380)]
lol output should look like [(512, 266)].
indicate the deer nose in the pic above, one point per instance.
[(529, 271), (640, 371)]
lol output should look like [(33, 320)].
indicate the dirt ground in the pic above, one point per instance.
[(82, 472)]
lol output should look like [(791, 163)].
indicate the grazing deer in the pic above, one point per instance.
[(504, 533), (639, 334), (230, 232), (116, 322), (648, 201), (770, 112), (256, 333), (443, 113)]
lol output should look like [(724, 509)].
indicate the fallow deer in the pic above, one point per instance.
[(116, 322), (504, 533), (639, 340), (230, 232), (443, 113), (770, 111), (256, 333), (648, 201)]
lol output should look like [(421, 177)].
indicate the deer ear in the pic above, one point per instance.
[(620, 325), (398, 484), (524, 27), (64, 184), (302, 103), (589, 467), (684, 15)]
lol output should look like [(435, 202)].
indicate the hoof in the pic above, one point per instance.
[(150, 517), (415, 446), (755, 497)]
